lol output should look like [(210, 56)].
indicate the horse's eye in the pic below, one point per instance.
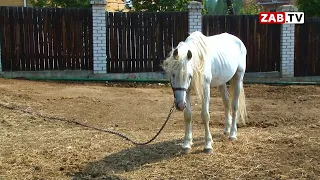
[(173, 75), (190, 77)]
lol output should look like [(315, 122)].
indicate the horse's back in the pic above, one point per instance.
[(226, 42), (239, 43), (228, 55)]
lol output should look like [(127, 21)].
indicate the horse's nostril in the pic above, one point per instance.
[(180, 105)]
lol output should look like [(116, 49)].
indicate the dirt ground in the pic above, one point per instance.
[(281, 139)]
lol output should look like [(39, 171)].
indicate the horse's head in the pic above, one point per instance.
[(178, 67)]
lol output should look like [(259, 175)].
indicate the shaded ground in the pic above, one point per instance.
[(280, 141)]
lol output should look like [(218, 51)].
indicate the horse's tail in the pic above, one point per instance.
[(242, 110)]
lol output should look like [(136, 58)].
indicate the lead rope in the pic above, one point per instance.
[(91, 127)]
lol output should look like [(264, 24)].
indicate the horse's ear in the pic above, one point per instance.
[(175, 53), (189, 55)]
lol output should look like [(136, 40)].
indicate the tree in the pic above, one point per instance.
[(230, 7), (209, 6), (60, 3), (311, 8), (251, 8), (237, 6), (160, 5), (221, 7)]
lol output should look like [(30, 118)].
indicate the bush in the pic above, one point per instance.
[(311, 8), (160, 5), (252, 8)]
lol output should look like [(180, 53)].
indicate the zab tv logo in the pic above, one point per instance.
[(281, 17)]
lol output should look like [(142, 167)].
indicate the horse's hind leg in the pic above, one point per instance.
[(225, 98), (188, 128), (236, 82)]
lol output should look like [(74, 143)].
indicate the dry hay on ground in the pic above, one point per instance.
[(280, 141)]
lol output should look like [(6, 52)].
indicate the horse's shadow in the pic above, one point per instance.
[(132, 159)]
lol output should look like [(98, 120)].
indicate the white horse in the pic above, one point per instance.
[(199, 63)]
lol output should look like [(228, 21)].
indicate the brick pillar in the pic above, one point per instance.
[(0, 52), (0, 59), (195, 16), (287, 44), (99, 36)]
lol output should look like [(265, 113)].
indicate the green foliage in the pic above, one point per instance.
[(40, 3), (219, 7), (251, 8), (160, 5), (237, 6), (311, 8), (209, 6), (60, 3)]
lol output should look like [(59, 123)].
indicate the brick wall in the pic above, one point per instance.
[(11, 3), (116, 5)]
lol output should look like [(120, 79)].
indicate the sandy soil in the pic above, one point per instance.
[(281, 139)]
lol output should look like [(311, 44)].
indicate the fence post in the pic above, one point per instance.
[(287, 44), (0, 51), (0, 58), (195, 16), (99, 36)]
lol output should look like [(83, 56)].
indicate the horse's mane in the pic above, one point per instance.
[(197, 45)]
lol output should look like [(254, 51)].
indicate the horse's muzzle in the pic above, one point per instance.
[(180, 105)]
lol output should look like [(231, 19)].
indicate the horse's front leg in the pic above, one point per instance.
[(188, 128), (206, 118)]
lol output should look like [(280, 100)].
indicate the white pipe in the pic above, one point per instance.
[(24, 3)]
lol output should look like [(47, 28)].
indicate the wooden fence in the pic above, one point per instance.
[(307, 48), (262, 41), (34, 39), (139, 42)]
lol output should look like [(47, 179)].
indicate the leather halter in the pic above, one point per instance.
[(179, 89)]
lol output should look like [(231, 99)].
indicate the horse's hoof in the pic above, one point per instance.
[(186, 150), (232, 138), (208, 150)]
